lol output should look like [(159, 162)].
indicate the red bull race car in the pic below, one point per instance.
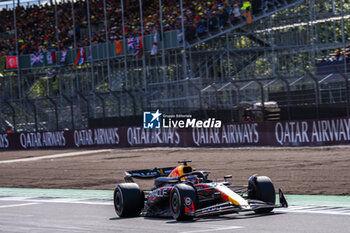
[(183, 193)]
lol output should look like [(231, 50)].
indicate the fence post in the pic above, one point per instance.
[(13, 115), (347, 89), (103, 104), (144, 95), (262, 96), (56, 112), (87, 103), (288, 93), (132, 99), (216, 98), (71, 108), (238, 93), (35, 113), (317, 92), (199, 93), (116, 97)]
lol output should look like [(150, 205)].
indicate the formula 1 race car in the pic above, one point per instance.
[(185, 194)]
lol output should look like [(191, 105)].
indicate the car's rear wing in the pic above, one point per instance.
[(147, 173)]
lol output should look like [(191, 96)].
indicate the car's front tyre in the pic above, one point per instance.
[(128, 200), (183, 202), (261, 188)]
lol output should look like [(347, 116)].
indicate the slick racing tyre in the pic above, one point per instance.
[(261, 188), (183, 202), (128, 200)]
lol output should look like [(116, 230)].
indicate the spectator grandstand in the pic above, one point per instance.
[(236, 53), (36, 24)]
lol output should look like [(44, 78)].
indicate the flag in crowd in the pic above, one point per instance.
[(155, 45), (138, 46), (51, 57), (36, 58), (11, 62), (63, 56), (131, 43), (135, 43), (80, 57), (118, 47)]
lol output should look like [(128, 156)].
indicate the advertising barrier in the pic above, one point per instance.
[(279, 133)]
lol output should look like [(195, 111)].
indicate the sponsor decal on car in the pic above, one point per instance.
[(189, 207)]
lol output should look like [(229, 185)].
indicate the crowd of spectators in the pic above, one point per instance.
[(36, 25), (338, 55)]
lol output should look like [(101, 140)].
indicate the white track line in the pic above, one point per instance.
[(291, 209), (214, 229), (59, 200), (55, 156), (17, 205), (315, 211)]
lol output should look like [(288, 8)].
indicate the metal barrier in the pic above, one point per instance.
[(301, 97)]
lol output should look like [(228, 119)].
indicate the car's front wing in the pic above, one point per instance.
[(229, 207)]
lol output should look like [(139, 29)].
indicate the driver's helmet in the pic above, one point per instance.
[(194, 179)]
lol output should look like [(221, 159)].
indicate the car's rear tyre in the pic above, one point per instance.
[(128, 200), (183, 202), (261, 188)]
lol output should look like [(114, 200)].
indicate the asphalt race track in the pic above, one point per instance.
[(50, 191), (82, 215)]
